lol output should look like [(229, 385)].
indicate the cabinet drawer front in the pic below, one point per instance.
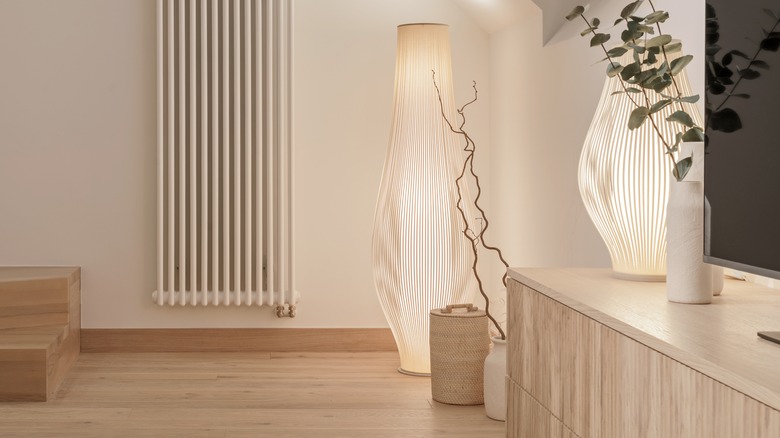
[(600, 383)]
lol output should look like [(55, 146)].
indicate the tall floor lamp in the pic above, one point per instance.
[(420, 257)]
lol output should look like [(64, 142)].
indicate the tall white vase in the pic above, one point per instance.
[(623, 179), (495, 381), (688, 278), (421, 259)]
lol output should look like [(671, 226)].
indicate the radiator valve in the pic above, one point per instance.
[(282, 311)]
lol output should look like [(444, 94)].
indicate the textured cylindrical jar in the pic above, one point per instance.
[(459, 346), (624, 179), (420, 257)]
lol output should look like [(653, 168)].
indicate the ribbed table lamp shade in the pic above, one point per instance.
[(624, 179)]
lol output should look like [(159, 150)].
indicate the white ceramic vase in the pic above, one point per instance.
[(495, 381), (688, 278)]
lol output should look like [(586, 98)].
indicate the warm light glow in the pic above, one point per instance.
[(421, 259), (624, 181)]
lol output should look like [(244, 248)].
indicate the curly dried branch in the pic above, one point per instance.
[(475, 238)]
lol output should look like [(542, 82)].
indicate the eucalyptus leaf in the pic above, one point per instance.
[(615, 93), (771, 13), (682, 167), (661, 85), (663, 68), (617, 51), (599, 38), (716, 88), (657, 17), (613, 69), (725, 120), (738, 53), (673, 47), (661, 104), (596, 22), (759, 64), (630, 70), (576, 12), (771, 44), (633, 90), (587, 31), (651, 58), (638, 117), (679, 64), (637, 48), (741, 95), (645, 29), (693, 134), (630, 9), (681, 117), (749, 74), (658, 41), (688, 99), (677, 139)]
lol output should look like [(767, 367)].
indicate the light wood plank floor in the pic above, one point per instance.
[(243, 395)]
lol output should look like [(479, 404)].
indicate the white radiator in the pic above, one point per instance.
[(224, 177)]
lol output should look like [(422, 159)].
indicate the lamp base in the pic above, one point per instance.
[(639, 277), (412, 373)]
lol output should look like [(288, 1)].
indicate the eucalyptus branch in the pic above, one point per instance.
[(476, 239), (669, 151), (666, 58), (644, 77), (611, 62)]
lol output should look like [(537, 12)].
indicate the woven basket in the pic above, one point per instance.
[(459, 345)]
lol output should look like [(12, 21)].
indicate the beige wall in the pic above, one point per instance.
[(77, 146), (77, 150)]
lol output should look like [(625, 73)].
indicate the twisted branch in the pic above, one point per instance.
[(476, 238)]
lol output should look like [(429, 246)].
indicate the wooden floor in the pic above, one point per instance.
[(243, 395)]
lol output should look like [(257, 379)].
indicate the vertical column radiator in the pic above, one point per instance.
[(224, 177)]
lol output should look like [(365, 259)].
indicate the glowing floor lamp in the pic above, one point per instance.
[(421, 260), (624, 180)]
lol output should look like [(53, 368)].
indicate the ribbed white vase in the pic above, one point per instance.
[(624, 180), (688, 278), (420, 257), (495, 381)]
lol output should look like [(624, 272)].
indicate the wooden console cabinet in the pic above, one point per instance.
[(593, 356)]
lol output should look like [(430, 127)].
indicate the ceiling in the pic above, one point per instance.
[(494, 15)]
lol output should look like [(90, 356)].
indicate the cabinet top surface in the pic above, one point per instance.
[(718, 339)]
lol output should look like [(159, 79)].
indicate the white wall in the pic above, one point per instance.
[(77, 153), (542, 104)]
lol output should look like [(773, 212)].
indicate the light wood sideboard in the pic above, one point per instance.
[(590, 355)]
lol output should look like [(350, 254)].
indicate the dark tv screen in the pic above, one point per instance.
[(742, 163)]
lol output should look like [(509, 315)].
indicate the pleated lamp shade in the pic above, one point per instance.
[(624, 180), (421, 259)]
